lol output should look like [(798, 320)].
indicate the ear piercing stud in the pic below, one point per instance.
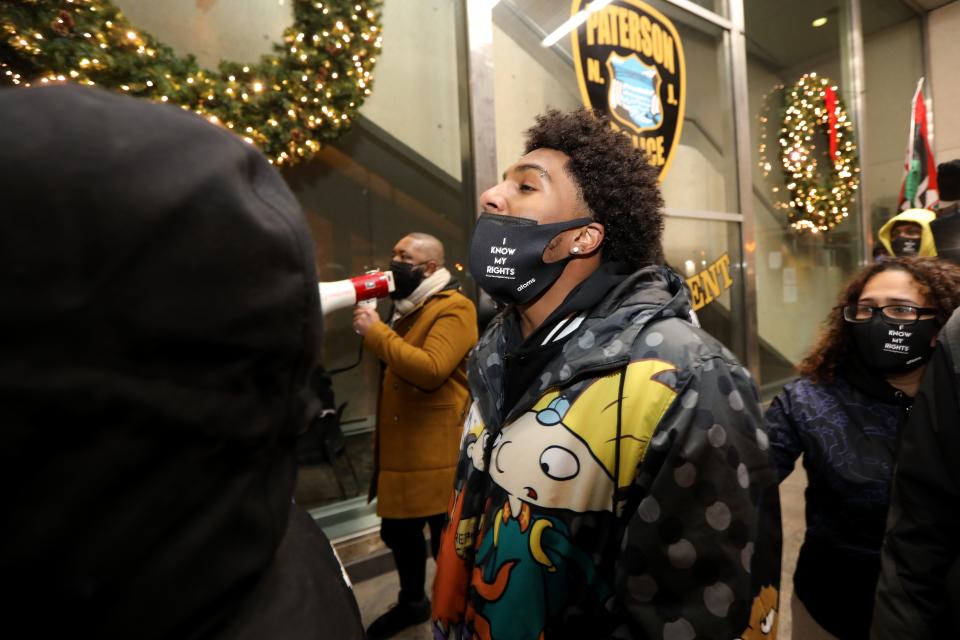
[(575, 250)]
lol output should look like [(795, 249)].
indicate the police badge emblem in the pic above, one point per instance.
[(630, 65), (634, 97)]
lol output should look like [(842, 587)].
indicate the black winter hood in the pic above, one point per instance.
[(158, 314)]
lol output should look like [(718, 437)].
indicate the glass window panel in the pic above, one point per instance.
[(212, 31), (396, 171), (708, 254), (802, 274), (419, 50), (530, 79), (347, 476), (361, 195), (893, 63), (720, 7), (798, 275), (415, 96), (703, 175)]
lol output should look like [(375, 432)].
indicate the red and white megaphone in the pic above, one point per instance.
[(346, 293)]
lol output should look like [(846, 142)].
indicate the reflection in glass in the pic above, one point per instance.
[(530, 78), (703, 176), (346, 476), (397, 171), (798, 276), (707, 254)]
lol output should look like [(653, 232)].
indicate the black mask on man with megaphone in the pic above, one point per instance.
[(407, 278)]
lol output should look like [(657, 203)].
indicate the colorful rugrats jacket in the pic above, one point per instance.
[(629, 495)]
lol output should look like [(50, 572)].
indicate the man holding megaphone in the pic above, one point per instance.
[(420, 412)]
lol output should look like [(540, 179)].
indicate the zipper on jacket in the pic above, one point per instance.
[(905, 401), (616, 460)]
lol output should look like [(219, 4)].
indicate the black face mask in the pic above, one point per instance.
[(506, 256), (406, 277), (893, 348), (905, 246)]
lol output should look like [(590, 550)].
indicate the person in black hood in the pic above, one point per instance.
[(158, 316), (946, 233), (844, 416), (918, 594), (948, 181)]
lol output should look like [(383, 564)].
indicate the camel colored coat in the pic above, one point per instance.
[(422, 403)]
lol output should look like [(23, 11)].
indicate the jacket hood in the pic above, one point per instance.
[(948, 180), (946, 233), (604, 341), (158, 317), (922, 217)]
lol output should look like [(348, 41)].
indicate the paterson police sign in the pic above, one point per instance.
[(630, 65)]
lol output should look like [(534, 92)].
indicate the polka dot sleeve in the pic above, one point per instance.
[(700, 556)]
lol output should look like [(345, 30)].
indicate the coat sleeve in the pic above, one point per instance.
[(785, 443), (701, 557), (923, 526), (453, 334)]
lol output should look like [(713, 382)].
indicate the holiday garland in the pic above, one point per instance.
[(287, 104), (817, 203)]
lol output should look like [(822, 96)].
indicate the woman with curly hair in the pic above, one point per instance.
[(843, 415)]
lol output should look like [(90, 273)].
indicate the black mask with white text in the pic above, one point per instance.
[(903, 247), (506, 256), (893, 348)]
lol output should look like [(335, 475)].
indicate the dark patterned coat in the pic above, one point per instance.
[(848, 441), (629, 494)]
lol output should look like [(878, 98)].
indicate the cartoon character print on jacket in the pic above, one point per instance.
[(763, 616), (560, 456), (456, 545)]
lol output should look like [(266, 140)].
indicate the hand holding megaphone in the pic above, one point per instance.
[(347, 293)]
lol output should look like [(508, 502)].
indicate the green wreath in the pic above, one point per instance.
[(288, 104), (817, 203)]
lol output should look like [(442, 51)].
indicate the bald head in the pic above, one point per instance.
[(420, 248), (430, 247)]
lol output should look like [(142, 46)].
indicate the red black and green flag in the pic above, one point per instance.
[(919, 188)]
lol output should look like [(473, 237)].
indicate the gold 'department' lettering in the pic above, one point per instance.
[(706, 286)]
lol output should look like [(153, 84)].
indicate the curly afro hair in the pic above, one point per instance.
[(939, 282), (615, 180)]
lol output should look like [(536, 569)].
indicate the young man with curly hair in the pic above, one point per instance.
[(614, 478)]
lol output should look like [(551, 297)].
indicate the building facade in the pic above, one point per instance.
[(457, 83)]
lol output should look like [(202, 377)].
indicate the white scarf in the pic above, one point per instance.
[(430, 285)]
